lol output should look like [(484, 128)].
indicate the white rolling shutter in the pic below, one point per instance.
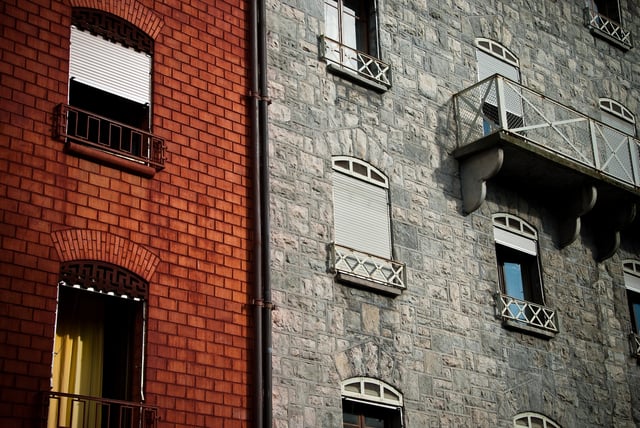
[(515, 241), (110, 66), (488, 65), (361, 215)]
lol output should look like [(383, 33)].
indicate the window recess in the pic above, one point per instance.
[(520, 302), (371, 403), (350, 44), (631, 269), (361, 253), (603, 18), (108, 116)]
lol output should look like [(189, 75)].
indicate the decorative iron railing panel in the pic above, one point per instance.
[(635, 341), (101, 133), (499, 104), (607, 28), (528, 313), (369, 267), (355, 61), (72, 410)]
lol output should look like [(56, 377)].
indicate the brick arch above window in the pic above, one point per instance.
[(130, 10), (85, 244)]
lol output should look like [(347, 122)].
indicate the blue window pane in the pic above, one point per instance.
[(513, 283)]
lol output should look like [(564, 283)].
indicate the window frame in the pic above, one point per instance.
[(108, 115), (369, 396), (355, 54), (516, 242), (605, 25)]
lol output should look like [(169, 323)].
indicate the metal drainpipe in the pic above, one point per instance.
[(259, 140)]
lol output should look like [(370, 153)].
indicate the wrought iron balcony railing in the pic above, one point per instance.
[(368, 270), (72, 410), (635, 343), (499, 104), (516, 311), (87, 129), (607, 28), (356, 62)]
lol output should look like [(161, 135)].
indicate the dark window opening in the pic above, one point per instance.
[(98, 350), (361, 415), (113, 107), (608, 8), (634, 309)]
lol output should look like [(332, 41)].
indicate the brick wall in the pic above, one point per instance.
[(185, 230)]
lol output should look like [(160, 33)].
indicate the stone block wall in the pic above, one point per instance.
[(439, 342)]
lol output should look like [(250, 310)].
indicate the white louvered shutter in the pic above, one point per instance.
[(361, 215), (110, 66), (515, 241), (488, 65)]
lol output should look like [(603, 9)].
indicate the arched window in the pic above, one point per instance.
[(361, 207), (99, 343), (494, 58), (109, 109), (533, 420), (370, 403), (521, 299)]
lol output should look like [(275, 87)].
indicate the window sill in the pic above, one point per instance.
[(365, 283), (111, 159), (528, 329), (354, 77)]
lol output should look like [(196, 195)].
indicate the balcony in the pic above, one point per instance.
[(580, 167), (103, 139), (526, 316), (607, 29), (368, 271), (72, 410), (355, 65), (635, 345)]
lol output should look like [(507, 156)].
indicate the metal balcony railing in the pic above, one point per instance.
[(78, 411), (527, 313), (635, 343), (499, 104), (109, 136), (607, 28), (370, 268), (357, 62)]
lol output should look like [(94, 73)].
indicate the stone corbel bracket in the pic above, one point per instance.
[(611, 220), (475, 170), (573, 206)]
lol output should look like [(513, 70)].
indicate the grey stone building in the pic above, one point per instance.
[(453, 195)]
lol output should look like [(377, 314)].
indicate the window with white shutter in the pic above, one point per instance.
[(493, 58), (361, 207)]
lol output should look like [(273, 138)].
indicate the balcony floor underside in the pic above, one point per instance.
[(573, 191)]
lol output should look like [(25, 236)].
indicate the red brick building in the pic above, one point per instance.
[(124, 222)]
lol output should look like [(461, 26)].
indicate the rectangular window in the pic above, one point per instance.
[(350, 41)]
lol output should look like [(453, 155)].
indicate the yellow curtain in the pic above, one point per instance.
[(77, 361)]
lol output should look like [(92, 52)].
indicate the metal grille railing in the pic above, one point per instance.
[(635, 342), (119, 139), (353, 60), (499, 104), (368, 267), (607, 27), (528, 313), (79, 411)]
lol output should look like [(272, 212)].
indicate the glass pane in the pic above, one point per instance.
[(370, 422), (349, 418), (331, 20), (636, 316), (513, 284)]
